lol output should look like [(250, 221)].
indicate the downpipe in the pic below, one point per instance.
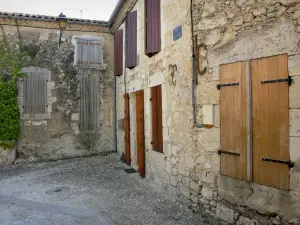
[(115, 111), (197, 125)]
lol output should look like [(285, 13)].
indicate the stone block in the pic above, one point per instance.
[(238, 21), (175, 150), (294, 93), (209, 8), (210, 139), (213, 22), (295, 122), (295, 148), (213, 37), (166, 134), (207, 192), (173, 160), (294, 65), (215, 74), (245, 221), (184, 191), (224, 213), (168, 167), (189, 161), (208, 114), (173, 181), (75, 117), (156, 79), (209, 177), (259, 11), (195, 187)]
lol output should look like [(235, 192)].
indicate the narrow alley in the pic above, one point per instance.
[(82, 191)]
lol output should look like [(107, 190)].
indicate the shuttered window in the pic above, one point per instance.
[(233, 120), (118, 52), (89, 103), (131, 40), (89, 53), (270, 121), (268, 152), (35, 93), (153, 27), (157, 127)]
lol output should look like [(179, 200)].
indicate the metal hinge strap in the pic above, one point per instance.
[(288, 80), (289, 163), (229, 153), (219, 86)]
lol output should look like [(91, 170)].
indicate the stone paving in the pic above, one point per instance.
[(98, 191)]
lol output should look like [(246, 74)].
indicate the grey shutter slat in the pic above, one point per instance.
[(89, 103), (35, 93)]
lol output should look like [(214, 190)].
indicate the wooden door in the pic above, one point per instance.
[(233, 120), (127, 130), (140, 132), (270, 121)]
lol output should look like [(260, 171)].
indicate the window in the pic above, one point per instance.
[(269, 164), (35, 93), (131, 40), (152, 27), (88, 52), (157, 127), (118, 52)]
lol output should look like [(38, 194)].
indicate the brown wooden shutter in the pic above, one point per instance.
[(270, 121), (154, 118), (157, 126), (140, 132), (118, 52), (127, 130), (153, 27), (159, 120), (131, 40), (233, 120)]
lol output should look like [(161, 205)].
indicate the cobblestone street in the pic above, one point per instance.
[(92, 190)]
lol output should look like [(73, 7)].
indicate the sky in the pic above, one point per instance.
[(91, 9)]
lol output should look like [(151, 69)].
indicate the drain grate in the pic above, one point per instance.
[(131, 170), (57, 190)]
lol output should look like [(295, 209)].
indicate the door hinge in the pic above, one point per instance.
[(289, 163), (219, 86), (150, 99), (228, 153), (289, 80)]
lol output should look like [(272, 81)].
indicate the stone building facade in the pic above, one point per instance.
[(56, 124), (224, 32)]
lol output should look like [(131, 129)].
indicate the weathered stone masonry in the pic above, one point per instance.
[(57, 134), (227, 31)]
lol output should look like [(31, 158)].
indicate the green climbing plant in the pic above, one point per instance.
[(12, 60)]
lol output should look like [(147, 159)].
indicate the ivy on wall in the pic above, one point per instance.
[(12, 60)]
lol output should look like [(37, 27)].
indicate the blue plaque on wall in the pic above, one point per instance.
[(177, 33)]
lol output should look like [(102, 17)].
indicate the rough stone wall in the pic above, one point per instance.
[(56, 134), (169, 170), (190, 165), (234, 31)]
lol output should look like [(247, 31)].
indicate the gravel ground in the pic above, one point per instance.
[(98, 192)]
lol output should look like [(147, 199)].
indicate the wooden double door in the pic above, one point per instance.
[(140, 131)]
